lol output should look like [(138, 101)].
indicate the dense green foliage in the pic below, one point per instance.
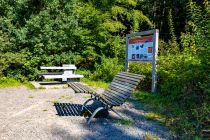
[(91, 34)]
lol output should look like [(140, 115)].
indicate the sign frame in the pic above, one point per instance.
[(155, 34)]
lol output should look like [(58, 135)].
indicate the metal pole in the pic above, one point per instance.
[(126, 57), (154, 63)]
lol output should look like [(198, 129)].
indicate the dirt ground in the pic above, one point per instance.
[(32, 115)]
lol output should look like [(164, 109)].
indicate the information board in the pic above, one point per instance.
[(140, 48), (143, 47)]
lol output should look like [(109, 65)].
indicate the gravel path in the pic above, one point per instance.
[(31, 115)]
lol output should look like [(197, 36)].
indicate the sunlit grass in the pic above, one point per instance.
[(100, 84), (41, 87), (149, 136), (68, 97), (30, 96), (53, 101), (163, 110), (61, 97), (125, 121), (10, 82), (155, 116)]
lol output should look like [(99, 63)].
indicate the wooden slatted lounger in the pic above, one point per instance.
[(119, 90)]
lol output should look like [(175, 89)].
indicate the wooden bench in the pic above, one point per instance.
[(117, 93), (67, 72), (80, 88)]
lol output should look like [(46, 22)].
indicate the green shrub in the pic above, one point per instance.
[(7, 82), (183, 77), (186, 122), (11, 82), (143, 69), (106, 71)]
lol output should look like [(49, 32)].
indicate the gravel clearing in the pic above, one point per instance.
[(31, 115)]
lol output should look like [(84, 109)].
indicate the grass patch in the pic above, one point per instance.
[(155, 116), (41, 87), (10, 82), (149, 136), (53, 101), (100, 84), (31, 97), (124, 121), (69, 97), (61, 97), (28, 85), (45, 110), (185, 122), (86, 97)]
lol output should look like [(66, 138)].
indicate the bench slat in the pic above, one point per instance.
[(121, 95), (86, 88), (113, 98), (109, 101), (128, 73), (126, 81), (132, 76), (120, 91), (116, 96), (79, 88), (51, 73), (127, 78), (74, 88), (62, 76), (122, 86)]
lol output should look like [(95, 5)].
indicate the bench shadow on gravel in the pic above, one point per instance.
[(108, 128), (68, 109)]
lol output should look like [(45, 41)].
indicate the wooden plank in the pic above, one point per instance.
[(120, 91), (132, 76), (51, 73), (127, 81), (122, 95), (123, 86), (128, 78), (109, 101), (62, 76), (113, 98), (87, 88), (81, 90), (124, 83), (116, 94), (74, 88), (58, 68)]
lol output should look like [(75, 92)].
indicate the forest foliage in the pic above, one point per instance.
[(91, 34)]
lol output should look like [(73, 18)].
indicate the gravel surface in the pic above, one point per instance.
[(31, 115)]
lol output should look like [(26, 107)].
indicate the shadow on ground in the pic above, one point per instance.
[(109, 128), (68, 109)]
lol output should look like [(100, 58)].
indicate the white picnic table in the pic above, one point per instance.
[(68, 71)]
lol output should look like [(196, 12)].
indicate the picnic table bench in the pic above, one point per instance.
[(67, 72)]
